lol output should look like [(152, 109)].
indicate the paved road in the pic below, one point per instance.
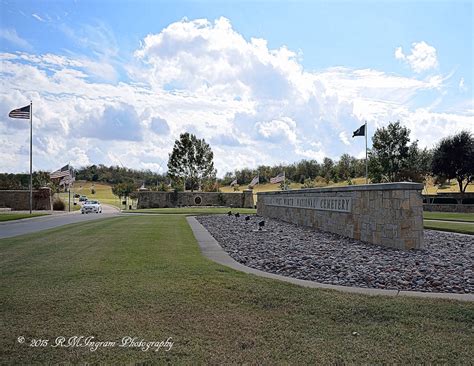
[(27, 226)]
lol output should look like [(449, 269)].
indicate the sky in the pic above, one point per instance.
[(263, 82)]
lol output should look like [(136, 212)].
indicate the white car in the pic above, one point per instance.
[(91, 206)]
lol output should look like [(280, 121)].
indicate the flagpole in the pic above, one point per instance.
[(366, 164), (31, 157)]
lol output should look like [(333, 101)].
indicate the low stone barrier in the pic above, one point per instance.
[(448, 208), (154, 199), (388, 214), (19, 200)]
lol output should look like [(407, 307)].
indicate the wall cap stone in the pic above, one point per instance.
[(362, 187)]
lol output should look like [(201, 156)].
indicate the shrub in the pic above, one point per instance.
[(59, 205)]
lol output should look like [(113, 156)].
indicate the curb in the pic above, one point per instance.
[(211, 249)]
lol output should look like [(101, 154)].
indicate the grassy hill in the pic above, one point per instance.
[(103, 192)]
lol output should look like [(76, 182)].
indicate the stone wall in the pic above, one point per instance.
[(449, 202), (19, 200), (389, 214), (153, 199), (448, 208)]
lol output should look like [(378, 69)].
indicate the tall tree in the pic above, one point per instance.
[(191, 160), (389, 158), (453, 158)]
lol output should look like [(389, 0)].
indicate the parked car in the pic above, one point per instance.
[(82, 198), (91, 206)]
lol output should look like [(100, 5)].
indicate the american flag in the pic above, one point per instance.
[(23, 113), (65, 174), (254, 181), (233, 183), (279, 178)]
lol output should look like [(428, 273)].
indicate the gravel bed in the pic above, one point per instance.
[(445, 265)]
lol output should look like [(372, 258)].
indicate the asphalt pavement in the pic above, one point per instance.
[(12, 228)]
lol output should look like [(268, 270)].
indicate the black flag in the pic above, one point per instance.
[(359, 132)]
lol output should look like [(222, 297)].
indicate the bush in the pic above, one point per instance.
[(59, 205)]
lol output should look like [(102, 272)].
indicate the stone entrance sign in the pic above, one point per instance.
[(389, 214), (340, 204)]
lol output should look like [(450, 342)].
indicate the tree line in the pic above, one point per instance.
[(116, 175), (190, 166), (392, 159)]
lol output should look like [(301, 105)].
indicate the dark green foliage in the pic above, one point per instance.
[(453, 158), (392, 159), (22, 181), (59, 205), (191, 161), (116, 174), (124, 189), (302, 171)]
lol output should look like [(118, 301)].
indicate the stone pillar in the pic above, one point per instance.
[(248, 198)]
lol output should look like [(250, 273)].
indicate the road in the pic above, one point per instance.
[(9, 229)]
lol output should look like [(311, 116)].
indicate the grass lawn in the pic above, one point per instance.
[(144, 276), (456, 227), (449, 216), (196, 210), (103, 192), (15, 216)]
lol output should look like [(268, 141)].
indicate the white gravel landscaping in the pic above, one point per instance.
[(445, 265)]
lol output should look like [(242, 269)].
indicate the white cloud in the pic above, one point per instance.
[(254, 105), (279, 131), (12, 36), (423, 57), (343, 136), (37, 17)]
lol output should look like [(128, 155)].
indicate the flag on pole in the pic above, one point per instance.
[(359, 132), (23, 113), (279, 178), (254, 182), (65, 175), (233, 183)]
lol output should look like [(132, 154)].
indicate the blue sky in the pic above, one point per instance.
[(264, 82)]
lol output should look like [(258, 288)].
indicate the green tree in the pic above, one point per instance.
[(344, 167), (453, 158), (327, 169), (124, 189), (191, 161), (391, 158)]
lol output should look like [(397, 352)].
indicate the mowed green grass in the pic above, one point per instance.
[(196, 210), (455, 227), (448, 216), (16, 216), (144, 276), (103, 192)]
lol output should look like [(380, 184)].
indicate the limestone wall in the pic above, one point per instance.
[(153, 199), (20, 199), (448, 208), (389, 214)]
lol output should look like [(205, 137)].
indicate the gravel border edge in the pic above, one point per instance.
[(211, 249)]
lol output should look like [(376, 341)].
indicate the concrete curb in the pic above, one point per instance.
[(211, 249)]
